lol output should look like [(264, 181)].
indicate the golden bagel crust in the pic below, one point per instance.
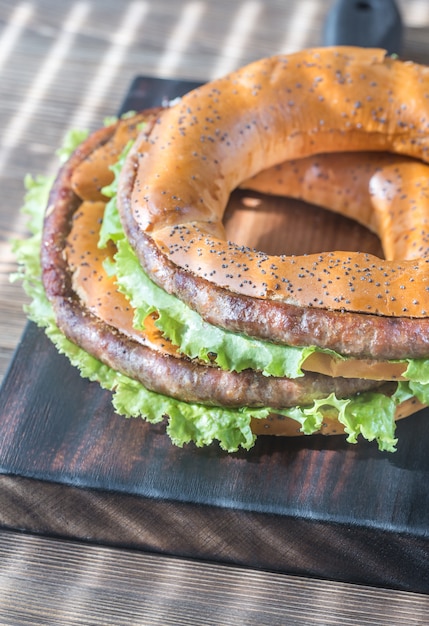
[(387, 193), (277, 109), (94, 173)]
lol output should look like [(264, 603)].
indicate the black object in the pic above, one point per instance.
[(367, 23)]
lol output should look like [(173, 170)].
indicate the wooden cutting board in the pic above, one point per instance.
[(316, 506)]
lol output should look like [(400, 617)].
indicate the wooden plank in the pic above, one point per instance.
[(315, 506), (57, 582)]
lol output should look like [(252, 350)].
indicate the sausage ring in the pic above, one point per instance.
[(176, 184)]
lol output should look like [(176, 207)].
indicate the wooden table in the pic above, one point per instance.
[(69, 64)]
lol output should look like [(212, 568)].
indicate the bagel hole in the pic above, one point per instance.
[(277, 225)]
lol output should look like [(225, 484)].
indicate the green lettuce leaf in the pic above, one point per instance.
[(418, 370), (369, 414), (190, 422), (71, 141), (417, 375), (111, 227), (372, 416)]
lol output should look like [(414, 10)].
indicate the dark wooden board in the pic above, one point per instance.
[(316, 506)]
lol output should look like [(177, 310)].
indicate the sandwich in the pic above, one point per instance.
[(116, 304)]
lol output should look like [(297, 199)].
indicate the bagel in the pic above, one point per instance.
[(94, 311), (386, 193), (176, 183)]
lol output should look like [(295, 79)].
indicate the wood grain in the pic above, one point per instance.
[(59, 582)]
